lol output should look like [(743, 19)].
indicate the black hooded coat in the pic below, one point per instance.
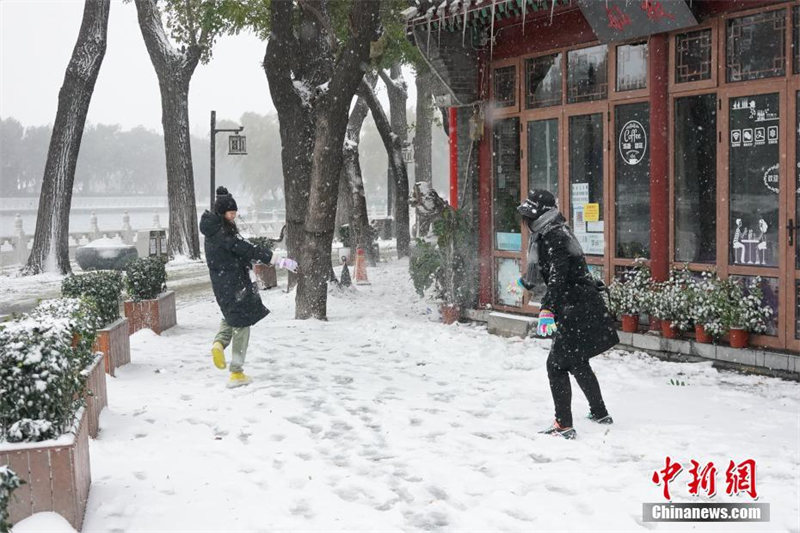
[(229, 258), (585, 327)]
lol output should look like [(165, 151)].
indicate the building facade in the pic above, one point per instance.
[(667, 130)]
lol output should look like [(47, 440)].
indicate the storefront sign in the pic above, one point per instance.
[(632, 142), (772, 178), (618, 20)]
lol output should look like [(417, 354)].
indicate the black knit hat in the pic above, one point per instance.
[(224, 202), (538, 203)]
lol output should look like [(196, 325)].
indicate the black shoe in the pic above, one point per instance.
[(600, 419), (557, 431)]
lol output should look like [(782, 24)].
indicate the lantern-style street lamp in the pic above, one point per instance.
[(237, 145)]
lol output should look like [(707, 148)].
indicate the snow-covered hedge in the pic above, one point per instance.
[(145, 278), (104, 288), (9, 481), (83, 319), (41, 385)]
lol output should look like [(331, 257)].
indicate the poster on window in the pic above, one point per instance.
[(588, 231), (754, 179)]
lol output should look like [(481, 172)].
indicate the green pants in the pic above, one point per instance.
[(240, 338)]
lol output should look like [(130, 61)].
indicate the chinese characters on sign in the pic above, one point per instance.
[(739, 478), (619, 20)]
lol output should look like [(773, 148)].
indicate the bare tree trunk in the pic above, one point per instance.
[(51, 240), (352, 176), (398, 96), (331, 124), (174, 70), (422, 135), (296, 60)]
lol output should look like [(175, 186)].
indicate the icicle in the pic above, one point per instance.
[(464, 30), (491, 40), (429, 16), (524, 10), (441, 12), (552, 8)]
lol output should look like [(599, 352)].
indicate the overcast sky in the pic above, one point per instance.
[(36, 41)]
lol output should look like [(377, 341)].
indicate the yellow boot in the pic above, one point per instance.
[(238, 379), (218, 355)]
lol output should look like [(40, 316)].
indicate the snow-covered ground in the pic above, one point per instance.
[(382, 418)]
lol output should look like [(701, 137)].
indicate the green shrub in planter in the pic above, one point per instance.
[(9, 482), (41, 385), (743, 307), (103, 288), (145, 278), (423, 265), (706, 303), (670, 300), (630, 293), (82, 318)]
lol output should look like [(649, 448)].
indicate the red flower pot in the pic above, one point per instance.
[(450, 313), (738, 338), (667, 330), (700, 334), (630, 323)]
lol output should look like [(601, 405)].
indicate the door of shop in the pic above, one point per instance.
[(757, 214)]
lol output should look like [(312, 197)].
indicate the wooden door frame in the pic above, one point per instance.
[(725, 269), (601, 107), (790, 296)]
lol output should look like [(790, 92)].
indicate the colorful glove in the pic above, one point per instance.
[(288, 264), (521, 283), (547, 323)]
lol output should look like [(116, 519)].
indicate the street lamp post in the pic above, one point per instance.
[(236, 146)]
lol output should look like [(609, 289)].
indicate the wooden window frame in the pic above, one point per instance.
[(691, 86), (722, 43), (613, 93), (504, 112)]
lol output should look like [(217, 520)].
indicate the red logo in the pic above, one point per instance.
[(617, 19), (739, 478), (654, 10)]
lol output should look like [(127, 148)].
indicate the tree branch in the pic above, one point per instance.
[(280, 55)]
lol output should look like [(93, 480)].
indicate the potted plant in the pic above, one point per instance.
[(104, 289), (743, 311), (628, 295), (705, 307), (445, 265), (669, 302), (265, 273), (151, 305)]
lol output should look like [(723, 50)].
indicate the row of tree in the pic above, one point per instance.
[(319, 55), (116, 162)]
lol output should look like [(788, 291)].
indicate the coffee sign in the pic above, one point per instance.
[(632, 142)]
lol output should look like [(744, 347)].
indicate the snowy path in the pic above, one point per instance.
[(385, 419)]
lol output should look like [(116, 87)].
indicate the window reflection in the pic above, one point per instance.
[(506, 190), (587, 74), (544, 81), (632, 67)]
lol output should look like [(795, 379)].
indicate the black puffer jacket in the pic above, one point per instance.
[(229, 258), (585, 328)]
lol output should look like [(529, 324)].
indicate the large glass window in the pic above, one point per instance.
[(586, 181), (505, 86), (543, 86), (632, 162), (797, 181), (587, 74), (754, 159), (756, 46), (506, 291), (506, 190), (796, 39), (696, 179), (631, 66), (543, 155), (693, 56)]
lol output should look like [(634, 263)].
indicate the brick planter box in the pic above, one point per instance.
[(56, 474), (158, 314), (267, 277), (96, 397), (115, 343)]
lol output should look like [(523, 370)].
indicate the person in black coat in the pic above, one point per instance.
[(572, 310), (229, 258)]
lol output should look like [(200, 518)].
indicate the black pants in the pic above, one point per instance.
[(562, 391)]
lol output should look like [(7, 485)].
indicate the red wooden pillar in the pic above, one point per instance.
[(485, 216), (659, 156), (453, 132)]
